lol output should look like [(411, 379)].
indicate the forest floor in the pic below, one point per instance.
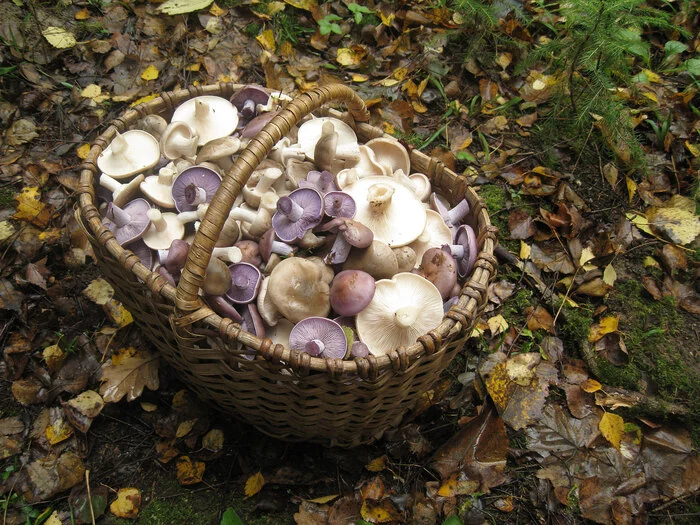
[(577, 396)]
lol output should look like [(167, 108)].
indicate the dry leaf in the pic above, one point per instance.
[(190, 472), (497, 324), (150, 73), (81, 410), (377, 464), (607, 325), (609, 275), (99, 291), (539, 318), (213, 440), (380, 512), (129, 376), (676, 219), (254, 484), (455, 485), (612, 427), (179, 7), (590, 385), (30, 208), (59, 37), (127, 503)]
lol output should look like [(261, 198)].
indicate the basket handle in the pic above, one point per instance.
[(192, 277)]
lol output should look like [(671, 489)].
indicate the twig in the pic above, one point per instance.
[(87, 484)]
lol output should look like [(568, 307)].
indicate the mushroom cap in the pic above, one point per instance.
[(245, 283), (390, 153), (135, 226), (190, 179), (221, 148), (378, 260), (466, 237), (176, 257), (129, 153), (143, 252), (311, 130), (339, 204), (319, 336), (440, 268), (299, 289), (153, 124), (179, 140), (217, 278), (403, 308), (311, 204), (159, 194), (434, 235), (351, 291), (267, 310), (254, 92), (172, 229), (250, 252), (389, 209), (257, 123), (210, 116)]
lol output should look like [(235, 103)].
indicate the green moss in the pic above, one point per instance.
[(516, 303), (576, 326), (7, 197), (496, 201), (252, 30)]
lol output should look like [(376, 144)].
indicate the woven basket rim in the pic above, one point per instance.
[(90, 220)]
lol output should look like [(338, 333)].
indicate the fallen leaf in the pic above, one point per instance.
[(267, 40), (254, 484), (127, 503), (609, 275), (377, 464), (505, 504), (117, 313), (539, 318), (373, 489), (91, 91), (456, 485), (612, 427), (191, 472), (185, 427), (590, 385), (150, 73), (520, 224), (85, 505), (213, 440), (324, 499), (130, 376), (30, 208), (99, 291), (51, 475), (351, 56), (607, 325), (497, 324), (59, 37), (180, 7), (83, 408), (380, 512), (676, 220)]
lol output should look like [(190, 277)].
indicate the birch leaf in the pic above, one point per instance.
[(59, 37), (180, 7)]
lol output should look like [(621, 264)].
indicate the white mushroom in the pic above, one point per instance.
[(121, 193), (390, 154), (210, 116), (403, 308), (129, 154), (388, 208), (159, 188), (163, 230), (179, 140), (434, 235), (310, 132)]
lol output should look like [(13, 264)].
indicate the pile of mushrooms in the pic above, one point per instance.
[(333, 248)]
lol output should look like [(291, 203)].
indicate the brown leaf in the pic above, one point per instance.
[(520, 224), (190, 472), (595, 287), (372, 489), (538, 318), (580, 403), (29, 391), (379, 512), (652, 287), (81, 410), (551, 258), (479, 450), (10, 299), (612, 347), (673, 258), (46, 477), (254, 484), (345, 510), (312, 514), (129, 372)]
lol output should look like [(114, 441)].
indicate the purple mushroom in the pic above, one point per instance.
[(143, 252), (359, 349), (268, 245), (464, 249), (319, 336), (130, 223), (452, 217), (339, 204), (350, 234), (253, 127), (351, 291), (194, 186), (296, 213), (321, 181), (253, 323), (245, 283), (247, 99)]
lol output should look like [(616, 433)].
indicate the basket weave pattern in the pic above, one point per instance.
[(284, 393)]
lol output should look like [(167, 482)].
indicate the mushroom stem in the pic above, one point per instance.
[(456, 214), (111, 184), (289, 208), (230, 254), (267, 179), (281, 248), (243, 214), (248, 109), (120, 217), (119, 144), (194, 195), (156, 217), (379, 197), (406, 316), (456, 250), (166, 176), (315, 347), (201, 110), (186, 217)]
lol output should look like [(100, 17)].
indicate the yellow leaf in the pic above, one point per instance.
[(179, 7), (651, 76), (650, 262), (377, 464), (193, 67), (453, 486), (387, 20), (91, 91), (148, 407), (388, 82), (213, 440), (359, 77), (609, 275), (184, 428), (119, 315), (189, 472), (6, 230), (650, 96), (83, 151), (612, 427), (99, 291), (631, 188), (59, 430), (351, 56), (83, 14), (254, 484), (640, 221), (586, 255), (497, 324), (150, 73), (215, 10), (694, 149), (138, 101), (54, 357), (267, 40), (418, 106), (524, 251), (678, 224), (306, 5), (607, 325), (324, 499), (590, 385), (380, 512), (59, 38), (127, 503), (53, 519), (29, 204)]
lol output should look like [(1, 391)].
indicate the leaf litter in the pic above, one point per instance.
[(587, 231)]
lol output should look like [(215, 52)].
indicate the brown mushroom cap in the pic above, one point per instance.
[(378, 260), (440, 268), (298, 290)]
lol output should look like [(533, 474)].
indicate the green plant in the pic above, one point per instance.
[(660, 130), (286, 26), (328, 25), (358, 11)]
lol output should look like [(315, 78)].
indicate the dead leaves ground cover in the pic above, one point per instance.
[(578, 394)]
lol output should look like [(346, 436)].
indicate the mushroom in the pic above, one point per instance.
[(121, 192), (174, 258), (230, 231), (130, 223), (390, 154), (321, 181), (267, 177), (268, 245), (221, 306), (250, 252), (253, 222), (388, 208), (253, 127), (194, 186), (247, 99), (421, 186), (211, 117), (327, 154), (219, 151), (163, 230), (452, 217), (378, 260), (440, 268), (217, 277), (129, 154), (339, 204), (350, 234), (154, 125), (245, 283), (143, 252), (279, 333), (252, 323), (403, 308), (318, 336), (297, 212), (434, 235), (266, 308), (310, 132), (464, 249), (179, 140), (405, 258), (359, 350), (299, 288), (351, 291), (159, 188)]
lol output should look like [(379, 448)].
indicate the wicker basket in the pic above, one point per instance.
[(284, 393)]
